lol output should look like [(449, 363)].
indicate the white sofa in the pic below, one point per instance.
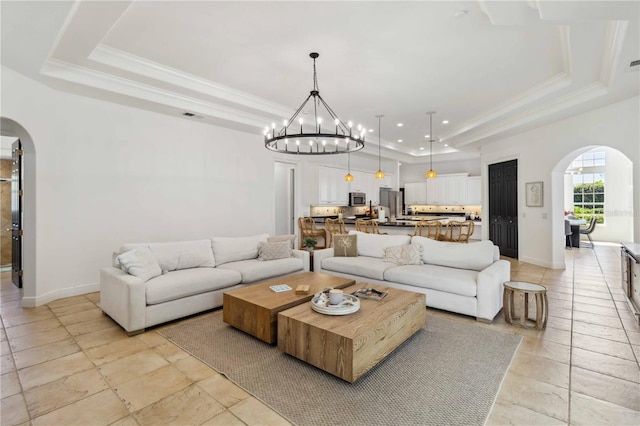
[(462, 278), (170, 280)]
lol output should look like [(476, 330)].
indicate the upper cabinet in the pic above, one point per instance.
[(444, 190), (474, 190), (415, 193), (334, 190)]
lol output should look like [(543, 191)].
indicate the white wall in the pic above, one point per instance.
[(106, 174), (544, 153)]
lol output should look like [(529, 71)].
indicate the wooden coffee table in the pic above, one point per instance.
[(348, 346), (254, 309)]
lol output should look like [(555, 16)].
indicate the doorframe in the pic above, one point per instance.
[(291, 190)]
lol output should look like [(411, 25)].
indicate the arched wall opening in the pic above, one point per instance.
[(11, 128), (619, 210)]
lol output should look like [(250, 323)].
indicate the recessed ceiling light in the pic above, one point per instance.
[(446, 144), (400, 124), (370, 130), (445, 121), (426, 136), (399, 140), (421, 148)]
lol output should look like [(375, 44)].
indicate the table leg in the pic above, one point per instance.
[(546, 310), (507, 305), (524, 311), (539, 309)]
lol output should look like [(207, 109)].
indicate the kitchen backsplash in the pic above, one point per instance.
[(445, 209)]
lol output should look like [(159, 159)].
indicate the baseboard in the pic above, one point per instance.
[(539, 262), (33, 302)]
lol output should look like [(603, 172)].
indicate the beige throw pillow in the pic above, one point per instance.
[(274, 250), (410, 254), (345, 245)]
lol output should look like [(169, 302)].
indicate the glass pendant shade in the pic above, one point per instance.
[(379, 174), (348, 177), (430, 174)]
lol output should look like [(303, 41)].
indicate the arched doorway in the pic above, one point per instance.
[(11, 128), (616, 217)]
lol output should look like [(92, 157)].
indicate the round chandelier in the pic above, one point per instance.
[(309, 138)]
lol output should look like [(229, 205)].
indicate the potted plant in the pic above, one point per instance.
[(310, 243)]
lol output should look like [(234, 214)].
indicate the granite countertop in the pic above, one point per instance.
[(402, 223), (634, 249)]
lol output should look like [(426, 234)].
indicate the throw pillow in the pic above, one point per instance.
[(140, 263), (345, 245), (291, 238), (410, 254), (274, 250)]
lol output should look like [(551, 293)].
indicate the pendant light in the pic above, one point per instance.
[(379, 174), (431, 173), (348, 177)]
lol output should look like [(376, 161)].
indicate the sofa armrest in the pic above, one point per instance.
[(304, 255), (490, 289), (123, 298), (319, 256)]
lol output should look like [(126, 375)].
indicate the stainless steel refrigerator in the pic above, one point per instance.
[(392, 201)]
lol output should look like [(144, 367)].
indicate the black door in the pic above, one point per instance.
[(503, 207), (16, 213)]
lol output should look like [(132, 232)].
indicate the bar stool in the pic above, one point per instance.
[(525, 289)]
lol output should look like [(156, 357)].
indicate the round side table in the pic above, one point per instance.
[(524, 290)]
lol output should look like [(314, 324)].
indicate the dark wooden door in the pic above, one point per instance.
[(16, 213), (503, 207)]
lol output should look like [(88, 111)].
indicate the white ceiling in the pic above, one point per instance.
[(492, 69)]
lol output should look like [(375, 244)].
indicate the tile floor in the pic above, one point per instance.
[(66, 363)]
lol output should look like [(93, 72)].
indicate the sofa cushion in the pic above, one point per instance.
[(180, 254), (442, 278), (187, 282), (475, 256), (140, 263), (409, 254), (232, 249), (274, 250), (364, 266), (254, 270), (373, 245), (345, 245)]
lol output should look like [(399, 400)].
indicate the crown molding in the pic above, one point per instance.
[(99, 80), (614, 42), (124, 61), (584, 94)]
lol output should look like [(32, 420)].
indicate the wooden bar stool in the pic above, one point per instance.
[(524, 290)]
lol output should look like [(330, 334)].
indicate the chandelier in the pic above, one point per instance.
[(431, 173), (310, 138)]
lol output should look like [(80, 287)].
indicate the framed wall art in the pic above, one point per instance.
[(534, 194)]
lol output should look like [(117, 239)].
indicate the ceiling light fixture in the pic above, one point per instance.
[(379, 174), (345, 139), (431, 173)]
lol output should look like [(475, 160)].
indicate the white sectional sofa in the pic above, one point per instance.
[(152, 283), (462, 278)]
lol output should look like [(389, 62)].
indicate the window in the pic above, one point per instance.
[(589, 185)]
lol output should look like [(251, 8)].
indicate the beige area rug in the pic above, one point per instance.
[(448, 373)]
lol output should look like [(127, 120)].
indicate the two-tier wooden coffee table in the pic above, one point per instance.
[(348, 346), (254, 309)]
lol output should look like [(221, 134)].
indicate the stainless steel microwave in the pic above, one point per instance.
[(357, 199)]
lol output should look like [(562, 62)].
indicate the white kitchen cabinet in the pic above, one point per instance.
[(447, 190), (474, 191), (415, 193), (332, 188)]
